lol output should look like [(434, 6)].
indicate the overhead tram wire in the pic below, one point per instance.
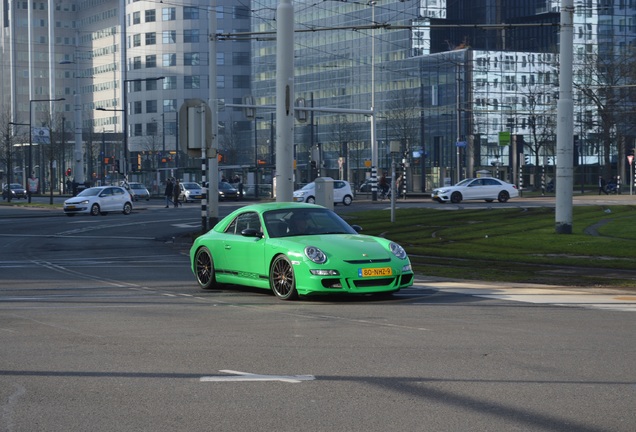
[(244, 36)]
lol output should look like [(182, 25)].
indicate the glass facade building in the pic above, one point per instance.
[(459, 86)]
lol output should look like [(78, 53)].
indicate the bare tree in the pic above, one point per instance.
[(229, 143), (403, 115), (603, 83)]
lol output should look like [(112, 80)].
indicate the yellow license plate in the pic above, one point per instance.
[(375, 272), (70, 207)]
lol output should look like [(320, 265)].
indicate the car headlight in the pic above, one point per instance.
[(315, 254), (397, 250)]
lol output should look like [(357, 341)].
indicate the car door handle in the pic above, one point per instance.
[(227, 246)]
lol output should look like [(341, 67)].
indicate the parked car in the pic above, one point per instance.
[(190, 191), (365, 186), (99, 201), (137, 191), (17, 191), (483, 188), (341, 193), (297, 249), (227, 191)]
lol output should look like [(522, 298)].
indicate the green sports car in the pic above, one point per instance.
[(297, 249)]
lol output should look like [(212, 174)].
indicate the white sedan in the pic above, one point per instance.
[(99, 201), (483, 188)]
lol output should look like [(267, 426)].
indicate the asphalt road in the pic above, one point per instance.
[(103, 328)]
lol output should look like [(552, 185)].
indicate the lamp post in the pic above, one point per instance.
[(256, 157), (31, 137), (10, 162)]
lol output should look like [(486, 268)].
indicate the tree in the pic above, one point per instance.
[(606, 99)]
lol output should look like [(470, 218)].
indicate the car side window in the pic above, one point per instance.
[(244, 221), (491, 182), (107, 192)]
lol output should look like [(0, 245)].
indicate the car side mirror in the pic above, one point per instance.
[(357, 228), (251, 232)]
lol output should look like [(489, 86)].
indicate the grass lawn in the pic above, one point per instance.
[(516, 245)]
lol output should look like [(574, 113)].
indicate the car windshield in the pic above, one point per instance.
[(191, 185), (16, 186), (464, 182), (225, 186), (136, 186), (308, 186), (90, 192), (304, 221)]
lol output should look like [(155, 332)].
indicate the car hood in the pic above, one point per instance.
[(341, 246), (77, 200)]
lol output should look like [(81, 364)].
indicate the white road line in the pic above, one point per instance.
[(246, 376)]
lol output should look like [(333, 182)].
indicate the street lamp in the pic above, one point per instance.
[(10, 162), (31, 136)]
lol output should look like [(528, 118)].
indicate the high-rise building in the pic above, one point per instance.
[(131, 60)]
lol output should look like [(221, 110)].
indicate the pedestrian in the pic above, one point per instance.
[(601, 185), (176, 191), (168, 192)]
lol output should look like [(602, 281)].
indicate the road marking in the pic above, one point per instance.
[(246, 376)]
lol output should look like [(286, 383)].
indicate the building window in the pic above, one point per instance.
[(169, 36), (190, 13), (136, 17), (191, 36), (151, 106), (151, 15), (151, 129), (220, 81), (136, 86), (191, 59), (151, 61), (137, 129), (169, 14), (151, 84), (240, 59), (170, 128), (169, 105), (137, 40), (240, 81), (220, 58), (137, 62), (240, 12), (151, 38), (170, 59), (170, 83), (192, 82), (137, 107)]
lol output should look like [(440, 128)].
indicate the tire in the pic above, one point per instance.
[(503, 196), (311, 200), (127, 209), (281, 278), (347, 200), (456, 198), (204, 269), (95, 211)]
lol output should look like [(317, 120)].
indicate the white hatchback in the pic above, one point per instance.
[(99, 200), (341, 193)]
